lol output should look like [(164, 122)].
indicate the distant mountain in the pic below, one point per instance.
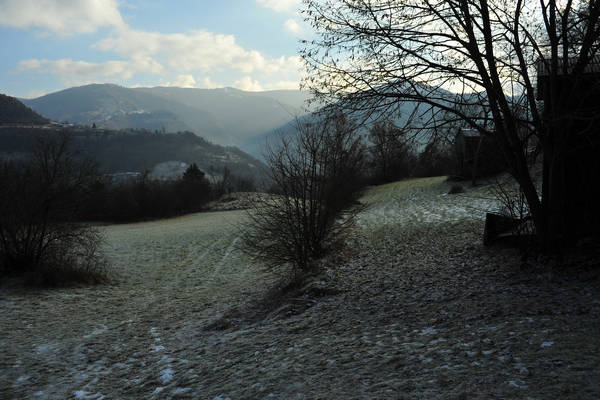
[(12, 111), (407, 113), (241, 114), (224, 116), (116, 107)]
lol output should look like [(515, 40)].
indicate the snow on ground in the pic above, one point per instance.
[(170, 274), (423, 201), (421, 311)]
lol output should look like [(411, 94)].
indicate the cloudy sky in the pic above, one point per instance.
[(48, 45)]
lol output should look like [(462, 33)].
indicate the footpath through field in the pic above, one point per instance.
[(413, 307)]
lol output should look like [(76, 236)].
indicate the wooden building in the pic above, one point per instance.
[(571, 146), (477, 155)]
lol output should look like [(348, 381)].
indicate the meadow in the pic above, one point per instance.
[(413, 306)]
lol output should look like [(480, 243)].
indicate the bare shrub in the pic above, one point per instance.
[(317, 177), (513, 205), (39, 204)]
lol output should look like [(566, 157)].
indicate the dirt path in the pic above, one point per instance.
[(422, 311)]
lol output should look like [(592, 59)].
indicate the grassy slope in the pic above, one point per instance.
[(422, 311)]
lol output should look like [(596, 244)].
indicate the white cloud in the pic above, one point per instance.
[(188, 81), (184, 81), (209, 84), (252, 85), (34, 94), (181, 55), (280, 85), (280, 5), (60, 16), (75, 70), (197, 50), (248, 84), (292, 26)]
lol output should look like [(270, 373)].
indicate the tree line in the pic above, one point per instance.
[(49, 197), (143, 198), (392, 155)]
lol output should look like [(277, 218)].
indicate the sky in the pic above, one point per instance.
[(49, 45)]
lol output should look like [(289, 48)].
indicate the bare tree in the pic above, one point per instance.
[(391, 154), (39, 205), (316, 175), (448, 56)]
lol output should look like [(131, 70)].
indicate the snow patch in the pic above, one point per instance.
[(518, 384), (428, 331), (43, 348), (166, 375), (158, 390), (166, 360), (547, 344), (82, 394), (97, 331)]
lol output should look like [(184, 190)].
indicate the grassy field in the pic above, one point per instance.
[(194, 252), (173, 275), (415, 307)]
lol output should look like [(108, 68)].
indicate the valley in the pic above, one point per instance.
[(224, 116)]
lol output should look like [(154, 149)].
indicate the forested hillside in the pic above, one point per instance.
[(137, 150), (12, 111)]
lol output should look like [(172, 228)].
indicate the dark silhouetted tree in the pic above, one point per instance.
[(194, 189), (391, 155), (450, 55)]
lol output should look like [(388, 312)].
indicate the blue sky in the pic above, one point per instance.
[(49, 45)]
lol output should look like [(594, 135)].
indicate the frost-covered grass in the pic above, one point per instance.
[(194, 252), (398, 211), (170, 278), (420, 310), (423, 201)]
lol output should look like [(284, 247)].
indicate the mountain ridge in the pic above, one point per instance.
[(224, 116), (119, 151)]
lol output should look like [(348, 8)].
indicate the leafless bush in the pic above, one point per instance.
[(513, 204), (39, 203), (317, 175)]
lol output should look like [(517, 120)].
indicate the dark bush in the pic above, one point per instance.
[(435, 160), (317, 175), (40, 203), (143, 198)]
